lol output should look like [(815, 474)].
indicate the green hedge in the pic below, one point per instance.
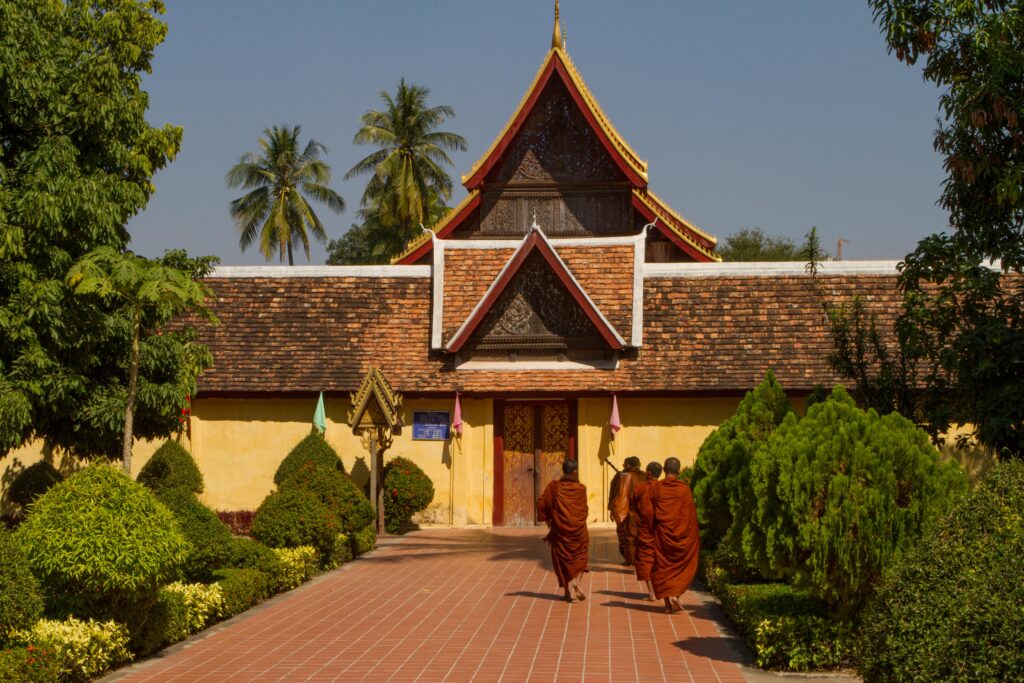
[(246, 553), (295, 517), (364, 540), (171, 467), (407, 490), (242, 588), (21, 602), (313, 449), (29, 664), (83, 650), (336, 491), (31, 483), (786, 628), (953, 608), (210, 539)]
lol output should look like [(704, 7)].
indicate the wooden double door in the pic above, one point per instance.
[(534, 438)]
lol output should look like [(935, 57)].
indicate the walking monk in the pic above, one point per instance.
[(645, 534), (564, 507), (619, 495), (668, 508)]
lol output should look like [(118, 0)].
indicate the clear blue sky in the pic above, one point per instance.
[(779, 115)]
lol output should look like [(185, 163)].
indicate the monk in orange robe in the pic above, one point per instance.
[(620, 494), (645, 534), (669, 509), (564, 507)]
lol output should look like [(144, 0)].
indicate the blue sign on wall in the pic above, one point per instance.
[(431, 425)]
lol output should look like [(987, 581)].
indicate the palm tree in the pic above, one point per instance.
[(408, 176), (275, 209)]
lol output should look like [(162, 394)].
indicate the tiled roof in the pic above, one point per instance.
[(717, 333), (467, 275)]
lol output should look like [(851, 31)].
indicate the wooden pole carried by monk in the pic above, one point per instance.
[(563, 506), (668, 508)]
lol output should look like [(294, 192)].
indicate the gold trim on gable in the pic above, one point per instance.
[(421, 239), (670, 219)]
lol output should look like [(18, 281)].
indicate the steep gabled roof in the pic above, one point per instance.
[(535, 240), (677, 229)]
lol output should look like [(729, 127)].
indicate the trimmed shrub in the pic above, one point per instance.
[(298, 565), (313, 449), (171, 467), (295, 517), (83, 650), (210, 540), (721, 475), (204, 603), (841, 494), (21, 602), (100, 533), (407, 490), (241, 589), (341, 553), (28, 664), (245, 553), (32, 482), (336, 491), (951, 609), (239, 521), (165, 623), (364, 540), (786, 628)]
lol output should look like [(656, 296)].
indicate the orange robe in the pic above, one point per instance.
[(669, 509), (645, 534), (564, 507), (628, 529)]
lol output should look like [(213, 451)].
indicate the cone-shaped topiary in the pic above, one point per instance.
[(171, 467), (841, 494), (32, 482), (721, 474), (210, 539), (407, 490), (21, 602), (336, 491), (313, 449), (294, 517), (950, 610)]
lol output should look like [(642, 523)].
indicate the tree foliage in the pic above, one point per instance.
[(77, 158), (751, 244), (841, 494), (721, 474), (963, 319), (275, 210), (408, 183)]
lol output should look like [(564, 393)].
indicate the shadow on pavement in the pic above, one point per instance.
[(629, 595), (649, 607), (539, 596), (712, 647)]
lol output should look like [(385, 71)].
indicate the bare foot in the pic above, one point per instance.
[(580, 595), (568, 595)]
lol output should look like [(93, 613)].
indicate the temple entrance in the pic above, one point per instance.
[(535, 437)]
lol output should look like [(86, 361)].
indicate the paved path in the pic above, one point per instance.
[(461, 605)]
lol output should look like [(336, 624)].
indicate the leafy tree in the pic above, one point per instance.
[(275, 209), (77, 159), (148, 294), (963, 320), (751, 244), (841, 494), (408, 182)]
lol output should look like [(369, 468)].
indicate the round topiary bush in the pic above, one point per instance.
[(21, 602), (407, 490), (249, 554), (313, 449), (209, 538), (950, 610), (841, 494), (295, 517), (99, 533), (171, 467), (336, 491), (33, 482)]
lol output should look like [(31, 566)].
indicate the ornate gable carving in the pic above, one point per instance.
[(536, 311)]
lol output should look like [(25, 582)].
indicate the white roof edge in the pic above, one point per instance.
[(319, 271), (768, 268)]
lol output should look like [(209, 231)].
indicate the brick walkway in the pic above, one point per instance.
[(458, 605)]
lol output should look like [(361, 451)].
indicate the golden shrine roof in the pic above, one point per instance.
[(631, 158), (678, 225)]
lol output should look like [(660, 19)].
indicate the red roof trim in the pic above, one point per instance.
[(667, 232), (454, 223), (554, 65), (534, 240)]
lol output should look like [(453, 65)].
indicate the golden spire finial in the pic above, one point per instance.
[(556, 36)]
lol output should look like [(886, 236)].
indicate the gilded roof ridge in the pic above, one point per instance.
[(422, 238), (675, 214), (659, 210)]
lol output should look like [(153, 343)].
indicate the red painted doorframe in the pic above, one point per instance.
[(498, 494)]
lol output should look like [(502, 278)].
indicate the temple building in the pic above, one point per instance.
[(561, 286)]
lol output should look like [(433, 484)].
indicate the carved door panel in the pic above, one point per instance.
[(520, 443), (536, 441)]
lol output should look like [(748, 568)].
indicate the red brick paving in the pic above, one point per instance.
[(458, 605)]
